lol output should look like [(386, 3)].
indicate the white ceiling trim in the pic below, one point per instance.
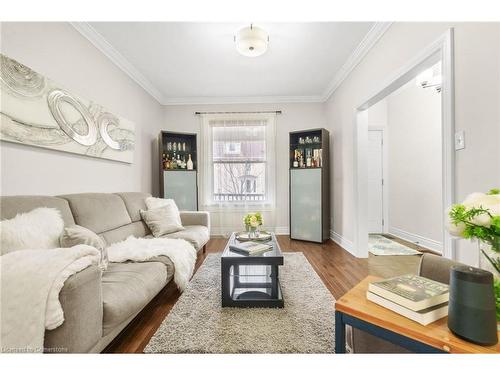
[(117, 58), (242, 99), (370, 39)]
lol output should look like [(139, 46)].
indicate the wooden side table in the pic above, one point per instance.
[(355, 310)]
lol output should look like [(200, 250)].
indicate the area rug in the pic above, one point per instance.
[(380, 245), (198, 323)]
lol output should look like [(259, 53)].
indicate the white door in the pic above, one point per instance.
[(375, 182)]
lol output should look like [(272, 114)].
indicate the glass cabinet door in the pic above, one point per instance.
[(305, 207), (181, 187)]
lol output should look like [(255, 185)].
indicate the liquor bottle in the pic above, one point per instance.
[(183, 146), (167, 162), (295, 159), (173, 163), (164, 161), (308, 158), (189, 163)]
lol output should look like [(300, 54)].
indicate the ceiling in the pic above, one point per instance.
[(181, 63)]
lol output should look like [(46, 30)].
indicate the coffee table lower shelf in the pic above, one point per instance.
[(252, 296)]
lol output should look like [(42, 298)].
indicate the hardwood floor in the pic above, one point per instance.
[(338, 269)]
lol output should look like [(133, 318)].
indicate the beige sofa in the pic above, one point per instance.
[(98, 306)]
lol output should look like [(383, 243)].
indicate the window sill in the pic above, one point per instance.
[(238, 207)]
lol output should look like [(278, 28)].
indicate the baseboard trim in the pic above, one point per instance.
[(411, 237), (344, 243)]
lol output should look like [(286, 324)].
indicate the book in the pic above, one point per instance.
[(424, 317), (411, 291), (250, 248)]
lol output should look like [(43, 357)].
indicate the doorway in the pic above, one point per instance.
[(375, 181), (441, 51)]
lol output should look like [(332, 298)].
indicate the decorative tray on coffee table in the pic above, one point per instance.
[(245, 236)]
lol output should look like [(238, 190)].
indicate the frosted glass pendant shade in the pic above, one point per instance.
[(252, 41)]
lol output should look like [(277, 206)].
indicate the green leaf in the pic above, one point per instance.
[(496, 287)]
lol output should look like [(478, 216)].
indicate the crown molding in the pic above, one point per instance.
[(242, 100), (370, 39), (117, 58)]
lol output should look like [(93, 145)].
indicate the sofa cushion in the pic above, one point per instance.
[(134, 203), (128, 287), (98, 212), (162, 220), (137, 229), (197, 235), (11, 206)]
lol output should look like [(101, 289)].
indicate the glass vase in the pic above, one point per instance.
[(489, 260), (251, 231)]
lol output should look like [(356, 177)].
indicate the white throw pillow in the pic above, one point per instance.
[(37, 229), (152, 203), (162, 220)]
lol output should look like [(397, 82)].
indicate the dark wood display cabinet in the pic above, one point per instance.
[(309, 185), (178, 165)]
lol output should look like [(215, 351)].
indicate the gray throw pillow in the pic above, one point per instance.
[(78, 235), (162, 220)]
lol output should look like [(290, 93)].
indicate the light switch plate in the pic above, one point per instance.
[(460, 140)]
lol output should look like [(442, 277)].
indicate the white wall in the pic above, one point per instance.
[(59, 52), (377, 115), (295, 116), (415, 165), (477, 97)]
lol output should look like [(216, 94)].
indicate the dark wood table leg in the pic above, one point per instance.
[(339, 333), (274, 281), (225, 283)]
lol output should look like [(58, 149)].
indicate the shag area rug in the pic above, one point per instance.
[(380, 245), (198, 323)]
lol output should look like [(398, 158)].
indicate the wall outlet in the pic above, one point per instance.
[(460, 140)]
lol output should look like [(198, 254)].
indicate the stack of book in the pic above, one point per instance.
[(250, 248), (415, 297)]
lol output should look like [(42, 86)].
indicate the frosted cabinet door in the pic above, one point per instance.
[(305, 207), (181, 187)]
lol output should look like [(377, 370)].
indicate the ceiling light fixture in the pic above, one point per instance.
[(251, 41)]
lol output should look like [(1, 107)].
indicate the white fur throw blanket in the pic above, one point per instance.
[(30, 284), (181, 253)]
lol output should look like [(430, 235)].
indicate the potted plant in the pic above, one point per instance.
[(252, 223), (478, 217)]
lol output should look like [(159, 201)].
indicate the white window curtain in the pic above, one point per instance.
[(238, 172)]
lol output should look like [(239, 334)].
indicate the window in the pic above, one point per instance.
[(239, 166)]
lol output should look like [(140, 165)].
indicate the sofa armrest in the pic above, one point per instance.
[(81, 300), (196, 218)]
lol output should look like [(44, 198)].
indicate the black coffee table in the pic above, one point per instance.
[(251, 280)]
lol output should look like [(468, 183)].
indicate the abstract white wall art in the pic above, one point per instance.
[(36, 111)]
